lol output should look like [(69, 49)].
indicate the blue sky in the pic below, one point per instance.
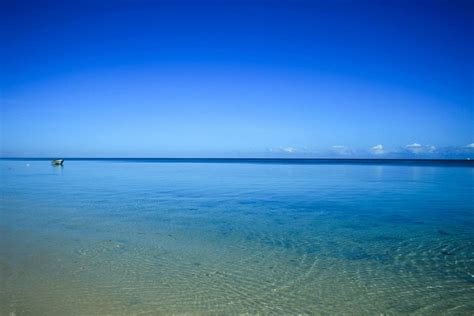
[(237, 78)]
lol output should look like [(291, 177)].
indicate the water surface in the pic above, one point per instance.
[(154, 237)]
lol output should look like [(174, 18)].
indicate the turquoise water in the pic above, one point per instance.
[(147, 237)]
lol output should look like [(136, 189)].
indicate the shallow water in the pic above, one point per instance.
[(151, 237)]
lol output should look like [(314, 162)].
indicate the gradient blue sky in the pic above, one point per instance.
[(237, 78)]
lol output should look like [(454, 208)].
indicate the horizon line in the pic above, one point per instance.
[(234, 158)]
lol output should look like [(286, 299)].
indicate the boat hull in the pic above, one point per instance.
[(57, 162)]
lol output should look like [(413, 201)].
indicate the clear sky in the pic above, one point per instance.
[(295, 78)]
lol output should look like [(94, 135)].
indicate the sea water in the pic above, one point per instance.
[(150, 237)]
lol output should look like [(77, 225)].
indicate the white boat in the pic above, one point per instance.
[(57, 162)]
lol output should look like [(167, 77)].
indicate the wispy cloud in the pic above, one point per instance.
[(288, 150), (341, 150), (419, 149), (378, 150), (414, 151)]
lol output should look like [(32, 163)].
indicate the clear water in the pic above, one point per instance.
[(146, 237)]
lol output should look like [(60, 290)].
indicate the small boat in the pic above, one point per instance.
[(57, 162)]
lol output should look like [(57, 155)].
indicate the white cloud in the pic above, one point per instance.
[(414, 145), (288, 150), (418, 148), (378, 149), (341, 150)]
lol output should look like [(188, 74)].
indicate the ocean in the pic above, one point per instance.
[(239, 236)]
